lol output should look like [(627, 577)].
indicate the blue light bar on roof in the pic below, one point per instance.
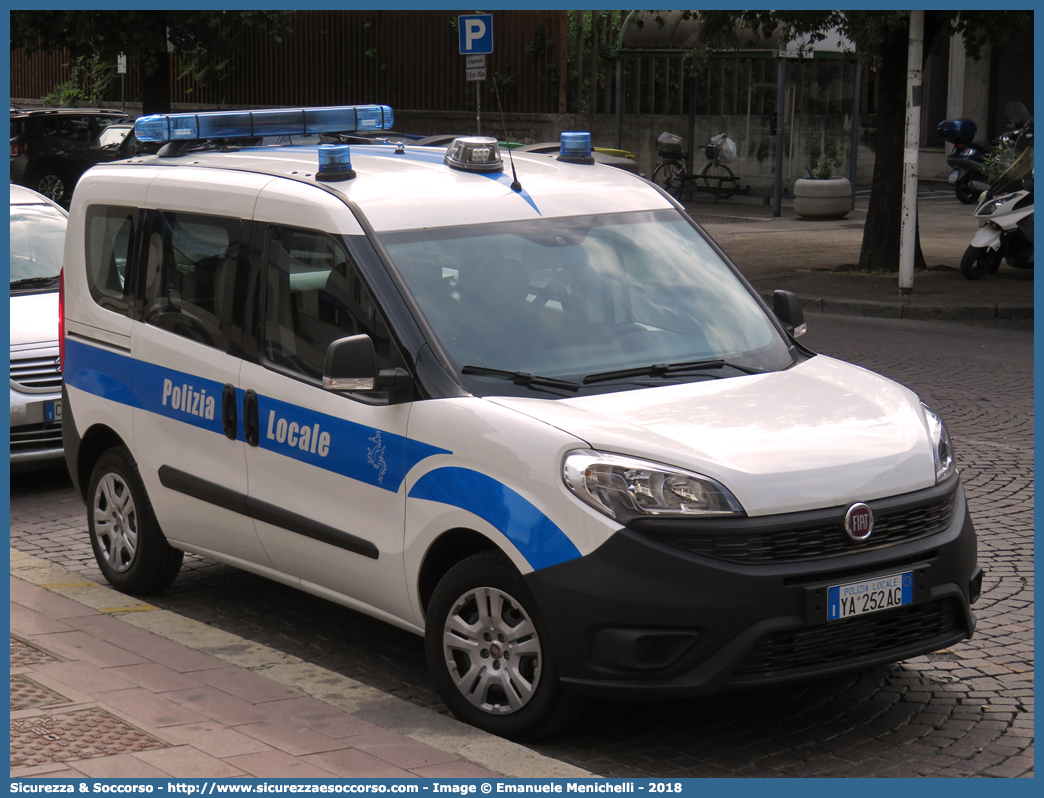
[(269, 122)]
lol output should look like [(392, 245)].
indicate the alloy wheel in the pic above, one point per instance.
[(492, 650), (115, 522)]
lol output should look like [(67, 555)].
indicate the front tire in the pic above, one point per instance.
[(131, 551), (489, 653), (719, 179), (978, 261), (53, 185)]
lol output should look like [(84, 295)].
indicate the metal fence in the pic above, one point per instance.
[(543, 62)]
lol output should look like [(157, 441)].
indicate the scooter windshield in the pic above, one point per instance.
[(1011, 179)]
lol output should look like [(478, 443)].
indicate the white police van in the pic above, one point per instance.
[(528, 410)]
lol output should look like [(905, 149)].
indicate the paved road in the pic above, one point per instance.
[(968, 711)]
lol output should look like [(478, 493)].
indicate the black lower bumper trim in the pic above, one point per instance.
[(794, 652), (684, 624)]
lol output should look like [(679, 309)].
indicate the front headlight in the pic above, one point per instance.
[(941, 447), (625, 488)]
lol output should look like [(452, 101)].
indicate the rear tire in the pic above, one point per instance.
[(668, 176), (131, 551), (978, 261), (489, 653), (965, 191)]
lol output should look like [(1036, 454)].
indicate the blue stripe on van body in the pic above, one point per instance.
[(99, 372), (535, 535), (356, 451)]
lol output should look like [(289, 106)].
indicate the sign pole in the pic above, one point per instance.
[(121, 67), (476, 41)]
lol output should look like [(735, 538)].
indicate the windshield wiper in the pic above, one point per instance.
[(34, 282), (521, 378), (665, 369)]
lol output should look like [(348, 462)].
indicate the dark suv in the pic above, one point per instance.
[(50, 147)]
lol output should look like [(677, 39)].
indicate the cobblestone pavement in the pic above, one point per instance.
[(962, 712)]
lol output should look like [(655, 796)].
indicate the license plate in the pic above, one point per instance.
[(53, 410), (872, 595), (954, 175)]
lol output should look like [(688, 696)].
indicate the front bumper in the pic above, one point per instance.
[(35, 439), (641, 618)]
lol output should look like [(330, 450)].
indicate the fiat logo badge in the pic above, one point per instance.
[(859, 521)]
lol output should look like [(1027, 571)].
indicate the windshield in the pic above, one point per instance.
[(1021, 164), (37, 241), (578, 297)]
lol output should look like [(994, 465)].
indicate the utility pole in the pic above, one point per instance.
[(908, 234)]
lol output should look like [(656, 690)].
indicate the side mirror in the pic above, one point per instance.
[(351, 365), (787, 308)]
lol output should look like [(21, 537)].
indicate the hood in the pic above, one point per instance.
[(34, 318), (822, 434)]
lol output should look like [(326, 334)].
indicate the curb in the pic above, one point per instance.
[(1000, 315), (368, 703)]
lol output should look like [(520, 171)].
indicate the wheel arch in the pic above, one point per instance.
[(95, 442), (446, 551)]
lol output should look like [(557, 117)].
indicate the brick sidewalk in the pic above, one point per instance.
[(96, 692)]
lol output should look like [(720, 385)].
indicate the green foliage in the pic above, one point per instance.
[(207, 40), (143, 35), (825, 167), (998, 159), (89, 81)]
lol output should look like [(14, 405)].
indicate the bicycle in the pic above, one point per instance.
[(715, 177)]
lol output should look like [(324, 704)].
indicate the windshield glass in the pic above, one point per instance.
[(575, 297), (37, 241), (1020, 166)]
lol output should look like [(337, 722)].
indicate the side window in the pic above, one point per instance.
[(191, 274), (75, 129), (110, 240), (314, 294)]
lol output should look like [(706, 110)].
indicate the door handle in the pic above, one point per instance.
[(229, 420), (251, 425)]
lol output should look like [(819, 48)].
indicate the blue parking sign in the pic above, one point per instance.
[(476, 33)]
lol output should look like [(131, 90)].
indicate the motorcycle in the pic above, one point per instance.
[(1006, 215), (967, 159)]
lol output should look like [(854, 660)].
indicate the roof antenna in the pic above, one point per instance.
[(515, 185)]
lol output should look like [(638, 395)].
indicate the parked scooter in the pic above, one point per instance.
[(1006, 215), (967, 159)]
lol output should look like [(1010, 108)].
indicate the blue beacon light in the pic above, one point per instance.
[(335, 163), (575, 147)]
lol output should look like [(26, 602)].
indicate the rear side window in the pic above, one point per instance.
[(111, 233), (314, 294), (69, 128), (191, 274)]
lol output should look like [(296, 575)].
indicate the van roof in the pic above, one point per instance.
[(405, 188)]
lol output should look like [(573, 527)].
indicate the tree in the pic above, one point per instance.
[(207, 38), (882, 36)]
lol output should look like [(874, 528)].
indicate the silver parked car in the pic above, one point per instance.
[(37, 241)]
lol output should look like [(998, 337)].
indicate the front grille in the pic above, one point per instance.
[(37, 373), (852, 639), (811, 541), (36, 437)]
